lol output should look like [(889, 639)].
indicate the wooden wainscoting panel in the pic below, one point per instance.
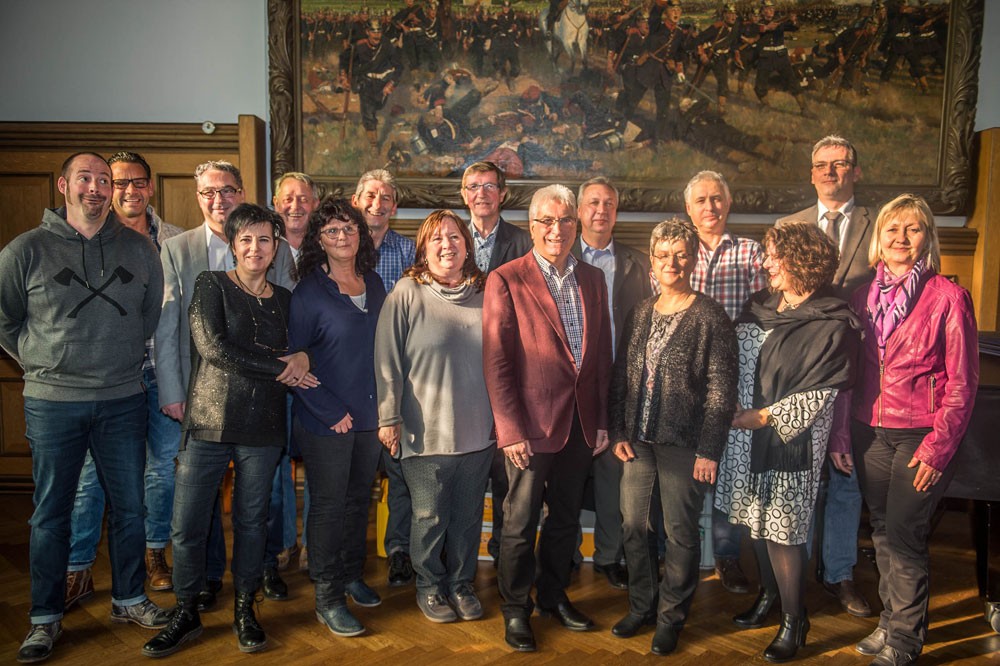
[(22, 198)]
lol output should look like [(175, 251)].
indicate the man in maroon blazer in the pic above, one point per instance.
[(547, 360)]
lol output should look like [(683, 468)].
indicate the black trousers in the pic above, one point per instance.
[(900, 519), (557, 479)]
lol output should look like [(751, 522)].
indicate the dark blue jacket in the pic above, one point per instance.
[(341, 342)]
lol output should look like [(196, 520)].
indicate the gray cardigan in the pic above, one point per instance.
[(694, 396), (429, 369)]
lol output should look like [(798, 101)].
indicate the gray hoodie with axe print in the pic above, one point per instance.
[(75, 313)]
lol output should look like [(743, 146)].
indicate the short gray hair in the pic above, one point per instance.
[(707, 175), (219, 165), (382, 176), (555, 192), (294, 175), (834, 140), (675, 229), (596, 180)]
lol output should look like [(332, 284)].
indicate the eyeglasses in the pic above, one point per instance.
[(227, 192), (549, 222), (839, 165), (333, 232), (666, 257), (489, 188), (123, 183)]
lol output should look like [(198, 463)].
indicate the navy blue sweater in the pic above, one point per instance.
[(341, 342)]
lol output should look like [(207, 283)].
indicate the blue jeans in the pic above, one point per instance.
[(840, 526), (60, 434), (201, 466)]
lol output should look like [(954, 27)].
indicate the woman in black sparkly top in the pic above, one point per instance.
[(240, 370)]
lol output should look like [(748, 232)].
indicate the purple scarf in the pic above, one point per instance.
[(890, 299)]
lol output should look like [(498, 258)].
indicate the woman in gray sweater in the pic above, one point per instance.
[(434, 412)]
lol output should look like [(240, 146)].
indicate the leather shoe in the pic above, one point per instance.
[(629, 626), (873, 643), (272, 586), (852, 601), (518, 634), (731, 575), (664, 640), (890, 656), (207, 597), (617, 576), (755, 617), (568, 616)]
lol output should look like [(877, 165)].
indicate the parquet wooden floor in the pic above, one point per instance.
[(398, 634)]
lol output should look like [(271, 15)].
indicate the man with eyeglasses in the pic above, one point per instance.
[(79, 296), (835, 170), (730, 268), (495, 242), (626, 276), (547, 364), (132, 189), (219, 188), (375, 197)]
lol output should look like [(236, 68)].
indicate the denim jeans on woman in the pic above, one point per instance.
[(60, 435), (200, 468)]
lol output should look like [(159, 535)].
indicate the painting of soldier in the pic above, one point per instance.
[(647, 89)]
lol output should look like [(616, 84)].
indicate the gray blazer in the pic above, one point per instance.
[(631, 284), (512, 242), (184, 257), (853, 270)]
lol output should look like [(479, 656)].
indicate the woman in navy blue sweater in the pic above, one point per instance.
[(334, 310)]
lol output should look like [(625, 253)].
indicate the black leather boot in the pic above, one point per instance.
[(245, 626), (184, 625), (754, 618), (791, 636)]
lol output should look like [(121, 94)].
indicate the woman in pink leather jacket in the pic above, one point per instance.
[(916, 384)]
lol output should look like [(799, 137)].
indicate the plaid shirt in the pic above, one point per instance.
[(484, 246), (395, 255), (730, 274), (566, 294)]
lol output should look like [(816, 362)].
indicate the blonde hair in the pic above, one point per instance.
[(903, 205)]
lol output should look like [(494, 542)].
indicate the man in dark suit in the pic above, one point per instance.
[(495, 242), (835, 170), (547, 362), (626, 275)]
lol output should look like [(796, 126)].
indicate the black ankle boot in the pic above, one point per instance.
[(791, 636), (245, 626), (184, 625), (754, 618)]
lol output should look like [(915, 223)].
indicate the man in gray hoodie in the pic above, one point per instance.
[(79, 296)]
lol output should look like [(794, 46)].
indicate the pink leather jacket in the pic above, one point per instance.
[(930, 372)]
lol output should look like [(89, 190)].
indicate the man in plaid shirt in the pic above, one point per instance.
[(730, 269)]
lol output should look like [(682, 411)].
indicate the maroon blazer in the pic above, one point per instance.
[(530, 375)]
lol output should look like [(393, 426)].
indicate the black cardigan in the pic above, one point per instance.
[(695, 407), (233, 396)]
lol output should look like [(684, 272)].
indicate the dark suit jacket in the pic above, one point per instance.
[(530, 375), (512, 242), (631, 283), (853, 270)]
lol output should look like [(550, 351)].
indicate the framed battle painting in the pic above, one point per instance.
[(645, 92)]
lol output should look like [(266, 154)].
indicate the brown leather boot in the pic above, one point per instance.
[(79, 587), (157, 571)]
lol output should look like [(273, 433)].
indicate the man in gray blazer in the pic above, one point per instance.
[(835, 170), (626, 274), (495, 242), (184, 257)]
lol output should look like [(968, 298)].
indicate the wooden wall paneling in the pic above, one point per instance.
[(22, 198), (15, 454), (985, 219), (252, 159)]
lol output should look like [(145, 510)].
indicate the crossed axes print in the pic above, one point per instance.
[(67, 275)]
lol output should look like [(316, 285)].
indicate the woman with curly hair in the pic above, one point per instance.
[(797, 345), (434, 413), (334, 311)]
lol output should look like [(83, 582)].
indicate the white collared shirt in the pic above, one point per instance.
[(220, 255), (846, 210)]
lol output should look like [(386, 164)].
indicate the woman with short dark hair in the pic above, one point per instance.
[(240, 368), (797, 345), (334, 311)]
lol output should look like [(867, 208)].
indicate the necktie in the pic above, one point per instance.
[(833, 225)]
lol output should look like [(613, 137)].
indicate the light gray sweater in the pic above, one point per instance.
[(429, 369)]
